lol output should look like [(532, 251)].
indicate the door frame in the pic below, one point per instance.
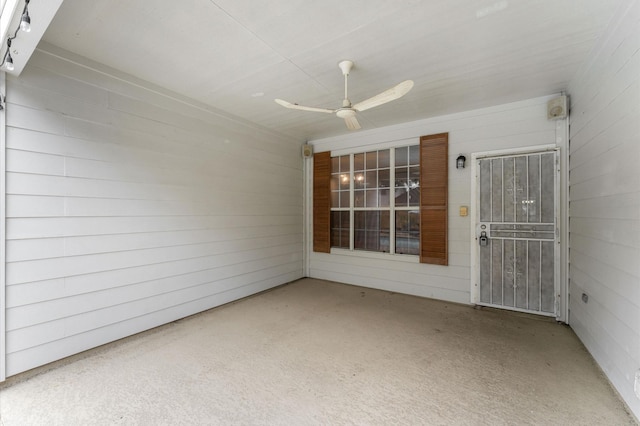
[(561, 284)]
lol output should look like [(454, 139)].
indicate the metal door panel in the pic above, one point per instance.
[(533, 274), (517, 210)]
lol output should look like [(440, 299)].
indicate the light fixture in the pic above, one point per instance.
[(25, 21), (25, 25), (460, 161), (8, 60)]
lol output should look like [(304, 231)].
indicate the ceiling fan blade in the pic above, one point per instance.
[(352, 122), (388, 95), (302, 108)]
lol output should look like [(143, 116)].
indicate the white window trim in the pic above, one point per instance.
[(411, 258)]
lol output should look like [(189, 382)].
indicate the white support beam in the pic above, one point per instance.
[(3, 169)]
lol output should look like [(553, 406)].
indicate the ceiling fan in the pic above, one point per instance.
[(348, 111)]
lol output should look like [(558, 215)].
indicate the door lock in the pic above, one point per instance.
[(483, 239)]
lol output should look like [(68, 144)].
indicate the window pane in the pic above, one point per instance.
[(414, 197), (359, 230), (402, 187), (371, 179), (372, 160), (401, 156), (358, 162), (384, 220), (335, 194), (383, 197), (413, 242), (335, 199), (344, 198), (414, 155), (372, 198), (372, 240), (383, 178), (335, 237), (345, 219), (384, 231), (401, 197), (414, 186), (414, 175), (402, 221), (408, 232), (414, 220), (340, 229), (359, 239), (372, 221), (358, 198), (335, 164), (401, 177), (344, 181), (383, 158), (358, 180), (344, 164), (344, 238), (335, 182), (359, 220), (372, 231)]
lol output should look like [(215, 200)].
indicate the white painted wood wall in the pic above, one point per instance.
[(605, 203), (128, 208), (514, 125)]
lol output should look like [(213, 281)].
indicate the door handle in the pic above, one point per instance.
[(483, 240)]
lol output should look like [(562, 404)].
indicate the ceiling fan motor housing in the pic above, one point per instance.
[(346, 112)]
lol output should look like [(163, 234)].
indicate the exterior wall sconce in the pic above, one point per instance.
[(460, 161)]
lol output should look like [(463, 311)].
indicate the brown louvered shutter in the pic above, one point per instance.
[(322, 202), (434, 154)]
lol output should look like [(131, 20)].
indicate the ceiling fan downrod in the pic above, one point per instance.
[(346, 67)]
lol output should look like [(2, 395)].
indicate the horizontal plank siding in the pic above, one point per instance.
[(605, 203), (69, 345), (128, 209)]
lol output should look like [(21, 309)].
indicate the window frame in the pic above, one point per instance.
[(392, 208)]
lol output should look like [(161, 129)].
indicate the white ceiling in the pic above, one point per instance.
[(462, 54)]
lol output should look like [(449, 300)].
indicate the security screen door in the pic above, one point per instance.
[(516, 232)]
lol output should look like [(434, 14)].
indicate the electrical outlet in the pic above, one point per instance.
[(636, 385)]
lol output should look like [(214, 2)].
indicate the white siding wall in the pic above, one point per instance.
[(605, 204), (127, 209), (514, 125)]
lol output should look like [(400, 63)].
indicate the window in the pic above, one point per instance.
[(390, 200), (375, 199)]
